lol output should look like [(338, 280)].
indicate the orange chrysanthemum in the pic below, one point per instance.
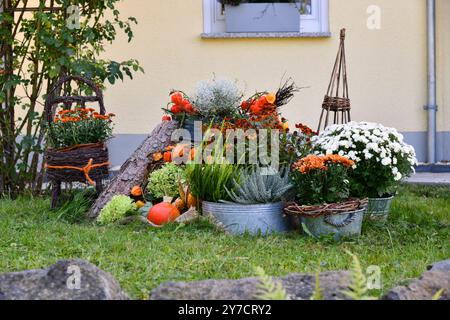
[(337, 159)]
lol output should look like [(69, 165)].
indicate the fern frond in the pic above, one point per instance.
[(268, 289), (358, 286), (438, 295), (317, 295)]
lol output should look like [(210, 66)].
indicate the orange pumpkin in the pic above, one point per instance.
[(137, 191), (163, 213), (168, 156)]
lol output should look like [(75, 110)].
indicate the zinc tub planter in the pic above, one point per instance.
[(347, 224), (237, 219), (262, 17), (339, 219), (378, 209)]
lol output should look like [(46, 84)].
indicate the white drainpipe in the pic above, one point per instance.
[(432, 101)]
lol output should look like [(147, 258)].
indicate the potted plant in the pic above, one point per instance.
[(262, 15), (242, 199), (212, 103), (382, 159), (322, 201)]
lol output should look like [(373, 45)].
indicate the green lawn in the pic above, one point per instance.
[(140, 258)]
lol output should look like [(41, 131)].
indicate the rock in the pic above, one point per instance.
[(60, 282), (440, 266), (297, 286), (426, 287)]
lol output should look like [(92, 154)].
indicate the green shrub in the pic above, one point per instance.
[(164, 182)]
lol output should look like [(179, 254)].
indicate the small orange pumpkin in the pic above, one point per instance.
[(167, 156), (137, 191), (163, 213)]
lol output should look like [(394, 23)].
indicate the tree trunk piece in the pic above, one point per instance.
[(135, 171)]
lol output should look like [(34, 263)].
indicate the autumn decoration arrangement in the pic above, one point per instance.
[(321, 182)]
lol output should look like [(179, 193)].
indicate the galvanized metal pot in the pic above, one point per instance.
[(257, 219), (378, 208), (339, 225), (194, 130)]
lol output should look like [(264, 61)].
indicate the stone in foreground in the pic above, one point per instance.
[(437, 278), (60, 282), (297, 286)]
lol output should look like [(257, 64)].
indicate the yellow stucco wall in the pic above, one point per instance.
[(387, 67)]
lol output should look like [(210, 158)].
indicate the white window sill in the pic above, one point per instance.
[(265, 35)]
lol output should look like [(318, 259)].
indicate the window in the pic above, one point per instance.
[(313, 19)]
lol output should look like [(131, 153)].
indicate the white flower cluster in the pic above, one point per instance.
[(217, 97), (367, 141)]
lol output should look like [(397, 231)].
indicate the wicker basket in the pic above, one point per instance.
[(77, 157), (83, 163)]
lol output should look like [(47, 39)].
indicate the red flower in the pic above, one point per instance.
[(166, 118), (176, 109), (177, 98), (245, 105), (189, 108)]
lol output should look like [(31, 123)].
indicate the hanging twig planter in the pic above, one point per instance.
[(337, 99), (82, 163)]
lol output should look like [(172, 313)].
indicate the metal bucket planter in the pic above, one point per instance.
[(378, 208), (262, 17), (196, 132), (238, 219), (339, 225)]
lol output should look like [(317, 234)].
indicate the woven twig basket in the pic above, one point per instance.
[(84, 163)]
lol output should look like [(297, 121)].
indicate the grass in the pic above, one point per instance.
[(31, 237)]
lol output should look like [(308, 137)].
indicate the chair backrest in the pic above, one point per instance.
[(54, 99)]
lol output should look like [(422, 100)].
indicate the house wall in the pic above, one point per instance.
[(387, 67)]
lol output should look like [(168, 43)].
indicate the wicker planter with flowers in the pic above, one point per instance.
[(77, 137), (323, 203)]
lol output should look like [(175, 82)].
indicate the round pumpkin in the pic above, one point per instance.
[(137, 191), (163, 213)]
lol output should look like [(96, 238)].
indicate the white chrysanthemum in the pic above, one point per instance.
[(366, 141)]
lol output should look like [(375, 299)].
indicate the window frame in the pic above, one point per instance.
[(318, 22)]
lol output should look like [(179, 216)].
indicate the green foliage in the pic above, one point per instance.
[(164, 182), (118, 208), (257, 186), (210, 182), (317, 295), (38, 48), (75, 206), (358, 286), (268, 289)]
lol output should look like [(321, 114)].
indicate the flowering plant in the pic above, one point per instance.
[(296, 144), (382, 159), (179, 107), (322, 179), (80, 126)]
